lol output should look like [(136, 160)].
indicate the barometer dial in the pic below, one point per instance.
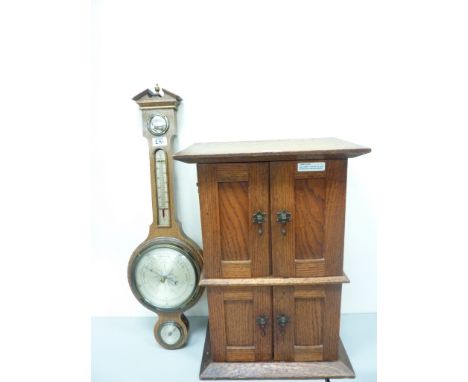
[(164, 277)]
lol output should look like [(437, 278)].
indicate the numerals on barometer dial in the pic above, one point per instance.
[(164, 270), (162, 189)]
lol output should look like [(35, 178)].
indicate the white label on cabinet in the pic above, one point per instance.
[(160, 141), (311, 166)]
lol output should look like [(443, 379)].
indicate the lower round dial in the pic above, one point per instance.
[(171, 334)]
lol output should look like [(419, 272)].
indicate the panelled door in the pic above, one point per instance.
[(306, 323), (235, 244), (236, 332), (307, 217), (281, 323)]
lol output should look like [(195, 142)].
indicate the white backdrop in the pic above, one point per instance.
[(256, 70)]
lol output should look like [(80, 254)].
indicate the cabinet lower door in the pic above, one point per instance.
[(307, 321), (234, 331)]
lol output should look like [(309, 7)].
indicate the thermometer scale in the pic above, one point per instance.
[(162, 189)]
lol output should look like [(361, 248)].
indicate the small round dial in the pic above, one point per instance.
[(164, 277), (158, 124), (170, 333)]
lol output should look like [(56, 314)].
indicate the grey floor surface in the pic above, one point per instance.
[(124, 350)]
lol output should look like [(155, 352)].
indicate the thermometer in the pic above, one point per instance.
[(162, 189)]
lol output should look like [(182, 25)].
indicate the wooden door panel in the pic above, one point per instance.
[(229, 196), (283, 298), (233, 197), (312, 332), (235, 336), (313, 243), (282, 199)]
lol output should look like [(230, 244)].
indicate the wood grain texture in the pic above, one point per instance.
[(209, 210), (335, 206), (308, 327), (232, 313), (217, 326), (331, 322), (239, 321), (211, 370), (309, 218), (281, 199), (283, 304), (310, 267), (263, 340), (256, 151), (229, 196), (274, 281), (259, 200), (233, 198), (301, 339)]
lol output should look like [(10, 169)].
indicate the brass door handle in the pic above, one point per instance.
[(282, 321), (259, 218), (262, 322), (283, 217)]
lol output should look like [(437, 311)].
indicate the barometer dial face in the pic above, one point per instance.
[(171, 334), (158, 124), (165, 277)]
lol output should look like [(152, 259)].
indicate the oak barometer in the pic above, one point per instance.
[(164, 270)]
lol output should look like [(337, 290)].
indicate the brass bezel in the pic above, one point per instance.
[(148, 124), (167, 242)]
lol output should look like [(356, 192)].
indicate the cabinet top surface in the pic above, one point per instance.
[(257, 151)]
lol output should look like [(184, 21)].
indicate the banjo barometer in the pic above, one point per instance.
[(164, 270)]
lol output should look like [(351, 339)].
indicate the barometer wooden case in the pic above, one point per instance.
[(273, 219), (164, 270)]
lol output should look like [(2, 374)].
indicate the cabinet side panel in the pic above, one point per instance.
[(335, 216)]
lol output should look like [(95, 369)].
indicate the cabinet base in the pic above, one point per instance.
[(274, 370)]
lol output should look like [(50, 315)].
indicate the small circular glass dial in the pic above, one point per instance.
[(165, 277), (170, 333), (158, 124)]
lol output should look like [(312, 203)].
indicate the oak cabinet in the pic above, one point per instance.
[(273, 218)]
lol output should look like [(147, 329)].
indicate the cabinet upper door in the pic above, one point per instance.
[(234, 201), (307, 217)]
